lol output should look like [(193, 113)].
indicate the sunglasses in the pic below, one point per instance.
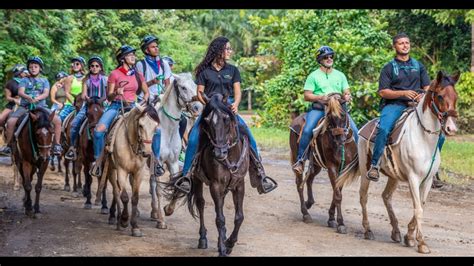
[(76, 64), (229, 49), (328, 56), (91, 66)]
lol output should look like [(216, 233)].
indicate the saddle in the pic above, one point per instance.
[(369, 130), (20, 124), (110, 137), (83, 125), (67, 120)]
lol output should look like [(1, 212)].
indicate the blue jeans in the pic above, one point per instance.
[(194, 138), (76, 124), (155, 145), (388, 117), (67, 109), (106, 119), (312, 119)]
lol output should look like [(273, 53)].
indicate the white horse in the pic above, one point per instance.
[(415, 159), (179, 95)]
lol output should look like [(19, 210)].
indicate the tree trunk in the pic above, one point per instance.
[(472, 47), (249, 99)]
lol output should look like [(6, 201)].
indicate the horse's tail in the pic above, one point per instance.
[(170, 192), (191, 200), (350, 175)]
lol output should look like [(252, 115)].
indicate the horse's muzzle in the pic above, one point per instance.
[(221, 153)]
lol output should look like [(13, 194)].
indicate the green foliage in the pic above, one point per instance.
[(465, 90), (458, 157)]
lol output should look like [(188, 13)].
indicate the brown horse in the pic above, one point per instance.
[(31, 151), (95, 109), (223, 164), (334, 149)]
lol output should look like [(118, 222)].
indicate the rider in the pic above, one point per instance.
[(73, 85), (209, 81), (319, 84), (11, 95), (57, 93), (399, 81), (33, 91), (157, 75), (93, 85), (122, 86)]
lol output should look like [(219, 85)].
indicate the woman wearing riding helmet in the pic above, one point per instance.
[(73, 85), (93, 85), (33, 91), (57, 93), (122, 86)]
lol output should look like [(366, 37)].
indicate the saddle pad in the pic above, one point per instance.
[(83, 125), (369, 130), (67, 120)]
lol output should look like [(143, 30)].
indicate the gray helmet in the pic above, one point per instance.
[(169, 60), (18, 69)]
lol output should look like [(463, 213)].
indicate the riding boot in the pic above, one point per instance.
[(257, 172), (437, 183), (157, 168)]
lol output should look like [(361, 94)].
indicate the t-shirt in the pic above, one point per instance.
[(409, 78), (129, 90), (97, 91), (34, 87), (150, 74), (321, 83), (12, 86), (221, 81)]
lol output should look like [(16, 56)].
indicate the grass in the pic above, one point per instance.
[(271, 138)]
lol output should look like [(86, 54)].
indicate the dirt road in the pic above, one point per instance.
[(272, 227)]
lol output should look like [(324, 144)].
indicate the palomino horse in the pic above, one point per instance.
[(31, 151), (179, 95), (126, 162), (223, 164), (415, 159), (95, 109), (334, 149)]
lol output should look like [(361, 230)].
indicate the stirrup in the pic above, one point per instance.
[(179, 182), (69, 156), (271, 181), (158, 169), (96, 170), (373, 168)]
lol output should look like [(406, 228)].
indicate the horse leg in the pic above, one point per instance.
[(300, 188), (51, 161), (363, 193), (121, 177), (387, 200), (238, 197), (313, 171), (16, 178), (336, 203), (67, 187), (424, 190), (27, 175), (200, 203), (60, 170), (169, 208), (76, 173), (39, 186), (136, 181), (87, 189), (218, 197)]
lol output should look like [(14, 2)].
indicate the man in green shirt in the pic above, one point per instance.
[(319, 84)]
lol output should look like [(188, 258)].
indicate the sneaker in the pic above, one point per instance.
[(158, 169), (6, 151), (57, 149), (373, 173), (298, 167), (437, 183), (71, 154)]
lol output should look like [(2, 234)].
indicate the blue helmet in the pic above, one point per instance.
[(61, 75), (123, 51), (35, 59), (324, 51), (80, 59), (17, 69), (169, 60), (147, 40), (97, 59)]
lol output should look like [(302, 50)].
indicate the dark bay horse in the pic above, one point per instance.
[(334, 149), (95, 109), (31, 151), (223, 164)]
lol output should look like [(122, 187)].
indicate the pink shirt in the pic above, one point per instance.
[(129, 90)]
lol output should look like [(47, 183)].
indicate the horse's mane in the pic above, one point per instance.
[(334, 107), (43, 118), (151, 111), (216, 103)]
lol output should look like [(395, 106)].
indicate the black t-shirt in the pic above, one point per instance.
[(409, 78), (12, 86), (221, 81)]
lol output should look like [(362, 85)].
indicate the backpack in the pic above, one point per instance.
[(396, 68), (143, 61)]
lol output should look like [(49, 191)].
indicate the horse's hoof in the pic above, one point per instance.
[(341, 229), (168, 210), (423, 249), (97, 202), (396, 237), (112, 220), (154, 216), (228, 251), (369, 235), (137, 232), (67, 188), (202, 244), (332, 224), (30, 213), (123, 224), (409, 242), (308, 204), (37, 215), (161, 225), (52, 168), (307, 218), (104, 211), (87, 206)]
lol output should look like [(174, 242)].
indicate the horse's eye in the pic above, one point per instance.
[(440, 98)]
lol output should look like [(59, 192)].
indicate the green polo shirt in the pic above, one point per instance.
[(321, 83)]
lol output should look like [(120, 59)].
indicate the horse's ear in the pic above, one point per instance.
[(456, 76), (140, 107), (51, 116), (33, 116), (439, 77)]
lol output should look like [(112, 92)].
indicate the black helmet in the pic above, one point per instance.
[(80, 59), (61, 75), (169, 60), (324, 51), (35, 59), (123, 51), (146, 41), (97, 59), (17, 69)]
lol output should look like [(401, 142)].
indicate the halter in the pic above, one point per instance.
[(186, 104), (337, 131)]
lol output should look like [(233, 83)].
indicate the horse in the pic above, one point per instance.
[(223, 164), (31, 152), (334, 149), (179, 95), (95, 109), (125, 161), (414, 159)]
